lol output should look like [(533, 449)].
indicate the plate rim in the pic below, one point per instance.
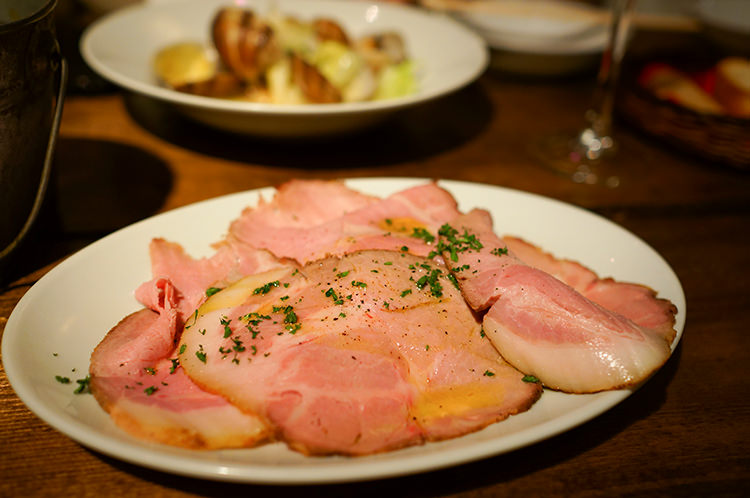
[(132, 450)]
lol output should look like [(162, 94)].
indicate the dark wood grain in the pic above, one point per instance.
[(123, 157)]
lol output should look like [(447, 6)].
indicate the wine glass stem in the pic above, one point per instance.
[(599, 115)]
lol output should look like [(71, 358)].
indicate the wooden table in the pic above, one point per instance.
[(121, 158)]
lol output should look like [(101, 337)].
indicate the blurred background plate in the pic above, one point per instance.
[(534, 37), (121, 45), (726, 23)]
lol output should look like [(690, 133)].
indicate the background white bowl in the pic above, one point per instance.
[(121, 46), (540, 37), (727, 23)]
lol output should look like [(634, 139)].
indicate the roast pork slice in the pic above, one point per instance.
[(306, 203), (305, 220), (192, 277), (343, 221), (357, 354), (136, 377), (543, 326), (637, 302)]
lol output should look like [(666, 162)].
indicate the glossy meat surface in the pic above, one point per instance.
[(336, 220), (369, 360), (634, 301), (333, 321), (136, 378), (543, 326)]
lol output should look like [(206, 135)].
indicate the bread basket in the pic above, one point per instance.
[(717, 138)]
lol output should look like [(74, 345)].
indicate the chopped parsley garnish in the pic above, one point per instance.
[(499, 251), (290, 318), (175, 364), (195, 319), (200, 354), (343, 274), (421, 233), (293, 328), (150, 370), (405, 293), (332, 294), (254, 318), (453, 280), (225, 322), (529, 378), (453, 243), (357, 283), (266, 288), (182, 349), (83, 385), (431, 280), (62, 380), (488, 373), (212, 290), (238, 347), (150, 390)]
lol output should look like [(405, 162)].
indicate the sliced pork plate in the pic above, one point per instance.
[(328, 319), (365, 351), (62, 318)]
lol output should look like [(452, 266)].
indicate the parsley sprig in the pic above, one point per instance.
[(431, 280), (453, 242), (422, 233), (266, 288)]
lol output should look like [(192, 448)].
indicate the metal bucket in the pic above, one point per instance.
[(32, 86)]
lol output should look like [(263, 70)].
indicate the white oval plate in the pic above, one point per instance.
[(121, 47), (60, 320)]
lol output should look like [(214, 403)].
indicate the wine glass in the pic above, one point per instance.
[(585, 155)]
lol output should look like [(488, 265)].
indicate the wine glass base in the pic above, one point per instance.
[(573, 156)]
